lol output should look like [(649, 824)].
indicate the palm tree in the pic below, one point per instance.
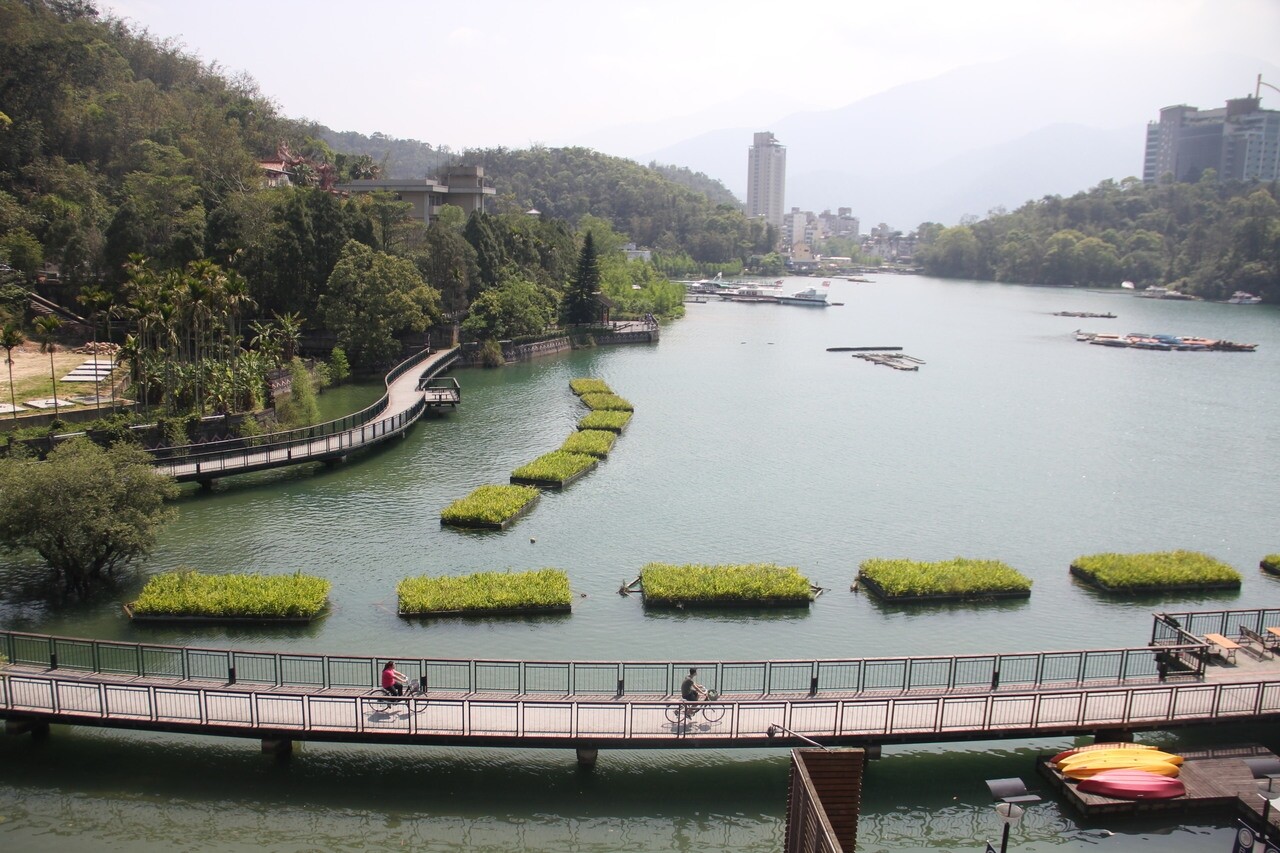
[(290, 326), (47, 327), (11, 338)]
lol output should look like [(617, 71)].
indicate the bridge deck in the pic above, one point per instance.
[(408, 395)]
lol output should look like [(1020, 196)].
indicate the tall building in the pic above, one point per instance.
[(766, 178), (1240, 141)]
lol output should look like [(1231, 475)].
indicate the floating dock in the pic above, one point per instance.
[(1218, 778), (898, 361)]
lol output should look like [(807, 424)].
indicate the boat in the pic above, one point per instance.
[(1240, 297), (1086, 314), (1067, 753), (1132, 785), (810, 296), (750, 294), (1157, 292), (1127, 285), (1116, 754)]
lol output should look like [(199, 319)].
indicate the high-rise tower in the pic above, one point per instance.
[(766, 178)]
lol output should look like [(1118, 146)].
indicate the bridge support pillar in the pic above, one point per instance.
[(587, 757), (38, 729), (206, 485), (280, 747)]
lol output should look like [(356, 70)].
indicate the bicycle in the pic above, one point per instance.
[(684, 711), (383, 700)]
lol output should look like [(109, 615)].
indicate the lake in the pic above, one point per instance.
[(750, 443)]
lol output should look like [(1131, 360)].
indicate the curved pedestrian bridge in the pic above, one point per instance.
[(412, 389), (625, 704)]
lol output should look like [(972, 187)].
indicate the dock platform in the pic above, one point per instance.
[(1218, 778)]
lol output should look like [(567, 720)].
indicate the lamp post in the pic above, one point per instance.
[(1010, 813)]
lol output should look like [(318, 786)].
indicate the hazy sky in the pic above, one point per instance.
[(516, 72)]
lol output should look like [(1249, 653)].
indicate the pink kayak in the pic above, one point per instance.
[(1132, 785)]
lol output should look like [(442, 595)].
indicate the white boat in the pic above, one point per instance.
[(811, 296), (1127, 285), (1157, 292), (1242, 298)]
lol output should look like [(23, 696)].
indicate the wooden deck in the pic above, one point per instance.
[(1214, 778)]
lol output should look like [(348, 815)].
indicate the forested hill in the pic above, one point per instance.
[(1208, 238), (668, 208)]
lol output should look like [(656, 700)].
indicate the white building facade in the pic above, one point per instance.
[(766, 178)]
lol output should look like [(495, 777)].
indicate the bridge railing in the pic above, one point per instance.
[(1061, 669), (1225, 622), (289, 439), (252, 458), (848, 720)]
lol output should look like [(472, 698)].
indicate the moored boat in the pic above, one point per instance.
[(1067, 753), (810, 296), (1132, 785), (1240, 297)]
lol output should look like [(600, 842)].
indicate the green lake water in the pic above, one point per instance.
[(750, 443)]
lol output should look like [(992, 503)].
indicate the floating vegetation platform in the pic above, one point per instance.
[(490, 507), (189, 596), (485, 594), (1164, 571), (960, 579), (700, 586)]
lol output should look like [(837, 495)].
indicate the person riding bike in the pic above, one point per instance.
[(691, 690), (393, 680)]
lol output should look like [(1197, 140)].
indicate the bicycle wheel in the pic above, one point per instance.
[(381, 702), (712, 713), (674, 712)]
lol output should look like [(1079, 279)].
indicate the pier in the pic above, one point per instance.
[(413, 388), (592, 705)]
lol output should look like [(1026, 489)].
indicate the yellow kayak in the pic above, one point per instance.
[(1086, 770), (1119, 757)]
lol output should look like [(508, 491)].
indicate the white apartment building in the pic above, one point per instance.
[(766, 178)]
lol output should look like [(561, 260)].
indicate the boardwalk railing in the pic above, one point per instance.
[(333, 438), (1179, 627), (1032, 670), (630, 722)]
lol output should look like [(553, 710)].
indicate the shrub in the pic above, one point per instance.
[(491, 354), (957, 578), (1162, 570), (589, 386), (554, 467), (489, 505), (764, 583), (610, 420), (339, 366), (248, 596), (606, 403), (484, 591), (593, 442)]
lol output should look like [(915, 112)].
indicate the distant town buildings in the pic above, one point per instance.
[(1240, 141), (766, 178), (804, 227), (463, 186)]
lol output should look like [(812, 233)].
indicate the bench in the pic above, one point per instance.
[(1252, 636), (1226, 648)]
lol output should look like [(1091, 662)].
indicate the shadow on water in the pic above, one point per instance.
[(728, 616), (969, 605)]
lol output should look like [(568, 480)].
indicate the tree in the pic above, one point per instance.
[(512, 309), (579, 304), (86, 511), (11, 338), (373, 297), (47, 327)]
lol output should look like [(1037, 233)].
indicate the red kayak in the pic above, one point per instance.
[(1132, 785)]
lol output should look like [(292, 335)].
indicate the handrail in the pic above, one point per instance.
[(812, 677), (220, 710), (284, 438)]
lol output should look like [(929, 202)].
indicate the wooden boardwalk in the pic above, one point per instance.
[(567, 704), (410, 393)]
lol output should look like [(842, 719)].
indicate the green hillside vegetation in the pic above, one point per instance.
[(1207, 238), (543, 589), (248, 596), (1156, 571)]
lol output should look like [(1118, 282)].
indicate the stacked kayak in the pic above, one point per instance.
[(1123, 771), (1132, 785)]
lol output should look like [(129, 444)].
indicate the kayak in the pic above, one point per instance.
[(1119, 757), (1132, 785), (1067, 753), (1086, 770)]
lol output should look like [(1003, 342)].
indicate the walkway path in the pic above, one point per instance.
[(410, 392)]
